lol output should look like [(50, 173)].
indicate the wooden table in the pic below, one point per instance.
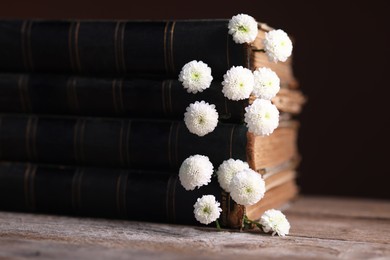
[(322, 228)]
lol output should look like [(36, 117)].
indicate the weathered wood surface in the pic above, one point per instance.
[(322, 228)]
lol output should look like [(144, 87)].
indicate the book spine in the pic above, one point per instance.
[(132, 143), (91, 96), (106, 192), (118, 47)]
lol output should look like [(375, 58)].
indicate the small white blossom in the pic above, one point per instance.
[(227, 170), (196, 76), (277, 45), (267, 83), (195, 171), (262, 117), (276, 222), (238, 83), (243, 28), (247, 187), (206, 209), (201, 118)]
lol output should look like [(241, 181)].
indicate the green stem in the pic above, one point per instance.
[(218, 226), (248, 221)]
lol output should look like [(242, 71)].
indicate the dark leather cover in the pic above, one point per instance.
[(111, 97), (118, 47), (103, 192), (136, 143)]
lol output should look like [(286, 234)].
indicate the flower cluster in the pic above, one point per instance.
[(276, 222), (238, 83), (227, 170), (243, 28), (262, 117), (195, 171), (246, 186), (277, 45), (273, 221), (206, 209), (201, 118), (196, 76), (267, 83)]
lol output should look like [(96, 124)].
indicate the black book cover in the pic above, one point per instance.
[(105, 192), (110, 97), (136, 143), (159, 48)]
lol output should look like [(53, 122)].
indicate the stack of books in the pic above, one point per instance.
[(92, 123)]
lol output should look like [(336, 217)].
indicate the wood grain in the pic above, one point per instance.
[(322, 228)]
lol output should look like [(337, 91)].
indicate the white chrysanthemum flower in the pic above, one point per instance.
[(206, 209), (195, 171), (243, 28), (238, 83), (201, 118), (262, 117), (247, 187), (227, 170), (275, 221), (196, 76), (267, 83), (277, 45)]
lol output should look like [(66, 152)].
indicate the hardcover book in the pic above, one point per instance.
[(137, 143), (121, 97), (147, 48), (129, 194)]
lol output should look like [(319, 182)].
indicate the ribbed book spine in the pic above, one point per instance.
[(118, 47), (103, 192), (120, 97), (135, 143)]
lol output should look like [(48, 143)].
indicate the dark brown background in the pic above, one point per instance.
[(342, 62)]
